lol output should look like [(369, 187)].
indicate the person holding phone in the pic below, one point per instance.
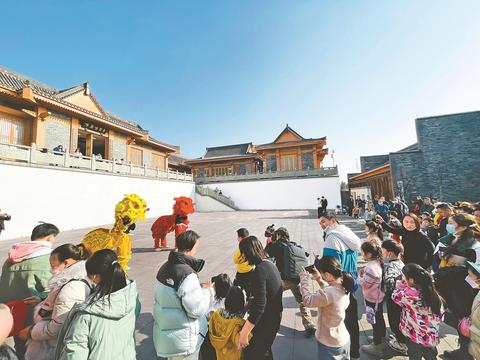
[(332, 301)]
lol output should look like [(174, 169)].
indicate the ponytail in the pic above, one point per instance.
[(112, 277), (424, 281), (375, 253), (329, 264), (373, 226), (347, 282)]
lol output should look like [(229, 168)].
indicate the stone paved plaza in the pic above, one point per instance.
[(218, 242)]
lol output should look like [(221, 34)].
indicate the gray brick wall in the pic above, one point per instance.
[(447, 165), (57, 131), (118, 149), (371, 162)]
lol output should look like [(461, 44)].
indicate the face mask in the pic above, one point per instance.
[(380, 202), (451, 229), (472, 282)]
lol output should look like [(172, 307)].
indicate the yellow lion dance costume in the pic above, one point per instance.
[(127, 212)]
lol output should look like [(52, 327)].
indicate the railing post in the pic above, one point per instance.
[(176, 175), (144, 169), (113, 165), (92, 162), (131, 169), (31, 155), (66, 159)]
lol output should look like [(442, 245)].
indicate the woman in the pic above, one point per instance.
[(265, 309), (68, 286), (473, 280), (461, 245), (333, 339), (102, 327), (418, 248)]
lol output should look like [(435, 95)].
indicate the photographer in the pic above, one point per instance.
[(290, 258), (3, 218)]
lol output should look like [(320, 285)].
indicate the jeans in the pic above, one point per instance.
[(394, 313), (306, 315), (379, 328), (417, 351), (351, 322), (325, 352)]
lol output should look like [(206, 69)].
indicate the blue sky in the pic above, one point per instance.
[(208, 73)]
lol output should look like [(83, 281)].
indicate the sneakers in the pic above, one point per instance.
[(374, 350), (399, 347)]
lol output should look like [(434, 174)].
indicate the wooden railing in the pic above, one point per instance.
[(321, 172), (32, 155)]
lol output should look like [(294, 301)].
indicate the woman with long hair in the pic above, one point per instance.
[(418, 248), (103, 326), (265, 312), (332, 300)]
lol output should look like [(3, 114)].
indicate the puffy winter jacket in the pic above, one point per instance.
[(181, 305), (474, 346), (344, 245), (66, 289), (103, 330)]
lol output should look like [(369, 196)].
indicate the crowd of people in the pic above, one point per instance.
[(422, 267)]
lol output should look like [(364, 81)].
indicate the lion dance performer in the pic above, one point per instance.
[(178, 221), (131, 209)]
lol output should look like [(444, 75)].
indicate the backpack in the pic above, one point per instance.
[(294, 258)]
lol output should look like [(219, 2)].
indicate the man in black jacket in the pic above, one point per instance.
[(288, 268)]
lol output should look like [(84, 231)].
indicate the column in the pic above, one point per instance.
[(277, 157), (299, 159), (74, 134), (39, 128)]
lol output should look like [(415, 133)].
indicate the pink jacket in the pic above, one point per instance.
[(28, 250), (371, 282)]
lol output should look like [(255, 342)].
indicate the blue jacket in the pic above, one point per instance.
[(342, 244)]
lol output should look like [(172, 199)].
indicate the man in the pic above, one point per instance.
[(342, 244), (289, 258), (382, 209), (427, 206), (445, 211), (181, 302), (242, 278), (26, 271), (319, 207), (324, 204)]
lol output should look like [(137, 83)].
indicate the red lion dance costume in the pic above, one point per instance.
[(178, 221)]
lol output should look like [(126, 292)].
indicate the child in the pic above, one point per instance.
[(421, 312), (392, 271), (332, 300), (371, 280), (356, 212), (225, 325), (269, 231), (221, 284), (374, 233), (242, 278)]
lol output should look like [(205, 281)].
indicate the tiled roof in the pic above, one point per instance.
[(228, 150), (176, 159), (17, 81), (162, 143)]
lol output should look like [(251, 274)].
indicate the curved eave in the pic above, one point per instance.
[(221, 158), (384, 169), (307, 142)]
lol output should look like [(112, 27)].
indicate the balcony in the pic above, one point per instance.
[(34, 156), (322, 172)]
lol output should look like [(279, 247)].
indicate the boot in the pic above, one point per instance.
[(374, 350), (461, 353)]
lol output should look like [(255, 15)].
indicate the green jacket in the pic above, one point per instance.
[(100, 331), (24, 279)]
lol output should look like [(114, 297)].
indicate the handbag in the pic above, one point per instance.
[(465, 323)]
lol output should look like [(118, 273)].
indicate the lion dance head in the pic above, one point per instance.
[(128, 211), (183, 206)]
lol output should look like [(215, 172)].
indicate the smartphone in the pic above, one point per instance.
[(310, 268)]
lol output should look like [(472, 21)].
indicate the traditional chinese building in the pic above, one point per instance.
[(289, 152), (34, 113)]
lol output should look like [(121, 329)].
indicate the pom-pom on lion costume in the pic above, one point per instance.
[(178, 221), (127, 212)]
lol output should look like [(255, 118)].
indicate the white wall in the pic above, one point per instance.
[(208, 204), (281, 194), (73, 199)]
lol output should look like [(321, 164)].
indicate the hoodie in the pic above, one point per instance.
[(344, 245), (101, 330), (224, 333), (29, 250)]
